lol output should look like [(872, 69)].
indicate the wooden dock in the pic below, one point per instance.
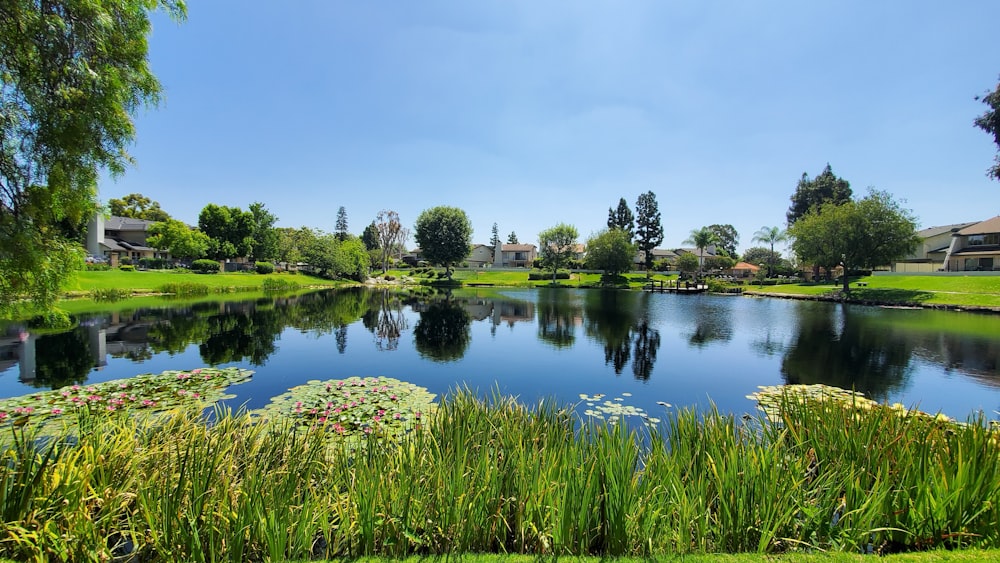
[(683, 287)]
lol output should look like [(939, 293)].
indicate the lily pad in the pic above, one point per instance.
[(354, 407)]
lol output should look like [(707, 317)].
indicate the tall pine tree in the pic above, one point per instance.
[(622, 218), (648, 230)]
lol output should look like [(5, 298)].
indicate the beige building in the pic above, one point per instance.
[(120, 237), (929, 255), (481, 256), (515, 255), (975, 248)]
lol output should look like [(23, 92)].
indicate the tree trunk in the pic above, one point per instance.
[(847, 282)]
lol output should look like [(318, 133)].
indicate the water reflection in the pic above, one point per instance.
[(840, 346), (619, 321), (558, 315), (442, 333), (385, 319)]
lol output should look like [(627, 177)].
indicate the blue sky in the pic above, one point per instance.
[(531, 113)]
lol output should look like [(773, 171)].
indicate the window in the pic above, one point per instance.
[(973, 264), (982, 240)]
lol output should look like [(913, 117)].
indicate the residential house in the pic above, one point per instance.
[(481, 256), (515, 256), (929, 256), (975, 248), (659, 254), (743, 270), (120, 237)]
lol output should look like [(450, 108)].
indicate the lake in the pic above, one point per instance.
[(686, 350)]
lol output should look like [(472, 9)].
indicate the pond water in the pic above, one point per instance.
[(643, 348)]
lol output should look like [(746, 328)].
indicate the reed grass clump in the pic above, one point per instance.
[(183, 289), (110, 294), (494, 475), (275, 285)]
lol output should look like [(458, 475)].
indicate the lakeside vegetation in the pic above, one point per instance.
[(916, 290), (820, 471)]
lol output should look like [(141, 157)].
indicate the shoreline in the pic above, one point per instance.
[(839, 298)]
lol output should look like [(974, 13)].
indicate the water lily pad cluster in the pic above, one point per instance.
[(771, 398), (615, 409), (356, 406), (196, 387)]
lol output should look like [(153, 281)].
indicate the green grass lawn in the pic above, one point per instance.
[(150, 281), (964, 291)]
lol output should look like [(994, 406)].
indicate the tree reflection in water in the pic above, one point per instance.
[(442, 332), (385, 319), (557, 311), (619, 320)]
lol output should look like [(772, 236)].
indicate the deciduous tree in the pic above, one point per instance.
[(180, 240), (858, 234), (137, 206), (990, 122), (444, 235), (230, 230), (727, 239), (390, 233), (264, 237), (612, 251), (648, 230), (73, 75), (557, 246)]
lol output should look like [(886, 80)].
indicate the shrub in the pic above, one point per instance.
[(540, 275), (279, 284), (127, 268), (205, 266), (110, 295), (98, 266), (389, 277), (184, 289), (125, 261), (53, 319), (154, 263), (264, 267)]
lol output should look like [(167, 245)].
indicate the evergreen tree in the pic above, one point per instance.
[(812, 194), (622, 218), (648, 230), (341, 228), (370, 236), (512, 238)]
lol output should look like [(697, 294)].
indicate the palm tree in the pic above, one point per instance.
[(702, 238), (770, 235)]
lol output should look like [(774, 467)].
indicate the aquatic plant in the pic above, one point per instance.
[(356, 406)]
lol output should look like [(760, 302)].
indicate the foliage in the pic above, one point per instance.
[(73, 74), (185, 288), (702, 238), (264, 237), (758, 255), (356, 407), (864, 234), (370, 237), (812, 194), (512, 238), (770, 236), (687, 263), (178, 239), (331, 257), (155, 263), (390, 234), (444, 235), (557, 246), (539, 275), (648, 229), (137, 206), (205, 266), (990, 123), (230, 231), (442, 332), (610, 250), (110, 295), (341, 227), (719, 262), (164, 391), (726, 239), (622, 218), (277, 285), (127, 268), (263, 267), (494, 236)]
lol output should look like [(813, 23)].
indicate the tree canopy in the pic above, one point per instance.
[(648, 230), (702, 238), (390, 234), (867, 233), (73, 75), (180, 240), (770, 236), (512, 238), (264, 245), (230, 230), (726, 239), (811, 194), (990, 122), (622, 218), (444, 235), (137, 206), (612, 251), (557, 246), (341, 228)]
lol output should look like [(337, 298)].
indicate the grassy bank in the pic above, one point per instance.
[(498, 477), (959, 291), (152, 281)]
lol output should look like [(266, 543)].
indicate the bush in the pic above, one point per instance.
[(52, 319), (278, 284), (110, 295), (127, 268), (155, 263), (125, 261), (184, 289), (205, 266), (97, 267), (264, 267), (539, 275), (389, 277)]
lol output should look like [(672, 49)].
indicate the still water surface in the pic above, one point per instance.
[(683, 350)]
